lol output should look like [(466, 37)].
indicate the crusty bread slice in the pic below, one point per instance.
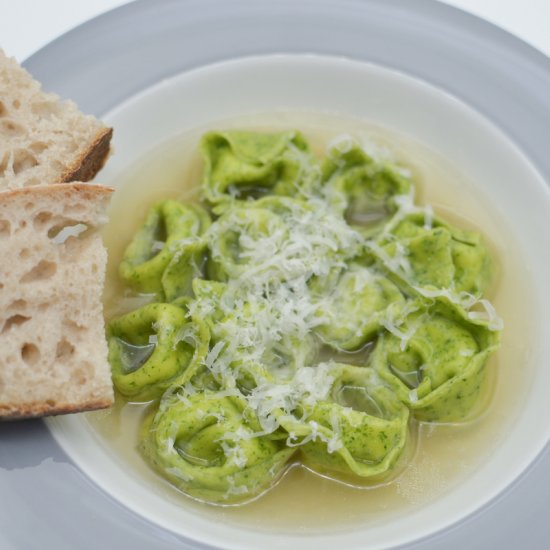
[(43, 139), (53, 353)]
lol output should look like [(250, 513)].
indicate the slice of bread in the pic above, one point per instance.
[(53, 353), (43, 139)]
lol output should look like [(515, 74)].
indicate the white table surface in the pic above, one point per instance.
[(27, 25)]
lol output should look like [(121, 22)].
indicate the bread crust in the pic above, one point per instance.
[(87, 191), (78, 144), (38, 409), (91, 160)]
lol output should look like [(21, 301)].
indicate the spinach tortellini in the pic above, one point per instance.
[(167, 252), (305, 311), (240, 164), (208, 445), (435, 361), (362, 188), (360, 427), (234, 249), (352, 314), (437, 255), (153, 348)]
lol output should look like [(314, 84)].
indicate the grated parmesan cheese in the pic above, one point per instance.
[(265, 311), (489, 314)]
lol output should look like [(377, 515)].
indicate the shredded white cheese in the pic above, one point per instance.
[(489, 314)]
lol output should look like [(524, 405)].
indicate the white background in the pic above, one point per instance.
[(27, 25)]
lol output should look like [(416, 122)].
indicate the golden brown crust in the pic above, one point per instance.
[(37, 409), (85, 191), (92, 160)]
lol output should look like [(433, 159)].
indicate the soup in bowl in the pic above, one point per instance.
[(472, 177)]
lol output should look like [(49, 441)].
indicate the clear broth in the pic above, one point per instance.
[(439, 456)]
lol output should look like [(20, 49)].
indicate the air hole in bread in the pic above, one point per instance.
[(95, 269), (51, 403), (78, 208), (14, 321), (5, 228), (1, 286), (59, 226), (29, 206), (41, 271), (57, 166), (45, 109), (30, 181), (73, 326), (30, 354), (82, 374), (11, 129), (38, 147), (73, 146), (3, 110), (25, 253), (23, 160), (4, 163), (64, 349), (60, 233), (23, 223), (18, 305), (41, 219), (16, 104)]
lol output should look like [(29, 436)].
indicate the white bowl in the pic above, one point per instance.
[(518, 201)]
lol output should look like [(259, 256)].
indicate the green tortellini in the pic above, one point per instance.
[(240, 164), (362, 188), (287, 352), (153, 348), (233, 248), (278, 238), (438, 255), (210, 446), (353, 311), (434, 359), (208, 295), (359, 428), (305, 311), (168, 251)]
